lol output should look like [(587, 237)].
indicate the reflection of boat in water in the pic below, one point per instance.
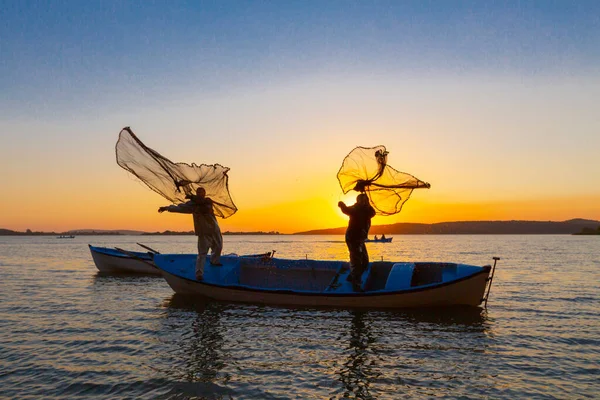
[(449, 318), (406, 337), (208, 346), (65, 237), (379, 240), (323, 283)]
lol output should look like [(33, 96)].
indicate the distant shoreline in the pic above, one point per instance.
[(7, 232), (576, 226)]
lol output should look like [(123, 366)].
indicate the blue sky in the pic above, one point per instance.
[(56, 53), (488, 101)]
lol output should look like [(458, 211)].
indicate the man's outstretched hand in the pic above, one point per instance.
[(162, 209)]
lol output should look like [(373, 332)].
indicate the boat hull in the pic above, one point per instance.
[(386, 240), (111, 261), (467, 291)]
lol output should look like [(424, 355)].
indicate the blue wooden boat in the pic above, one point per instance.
[(276, 281)]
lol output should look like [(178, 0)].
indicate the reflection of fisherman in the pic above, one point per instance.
[(205, 227), (200, 345), (358, 231), (359, 372)]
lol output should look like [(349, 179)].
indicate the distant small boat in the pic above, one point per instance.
[(379, 240), (65, 237), (316, 283)]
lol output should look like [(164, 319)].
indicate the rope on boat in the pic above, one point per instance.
[(489, 285)]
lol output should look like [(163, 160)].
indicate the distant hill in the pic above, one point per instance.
[(589, 231), (8, 232), (168, 233), (571, 226), (224, 233)]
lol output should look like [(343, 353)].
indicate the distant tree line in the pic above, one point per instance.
[(224, 233), (589, 231), (29, 232)]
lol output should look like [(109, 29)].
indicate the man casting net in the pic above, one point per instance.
[(176, 182)]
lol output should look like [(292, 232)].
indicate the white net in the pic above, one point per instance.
[(365, 170), (174, 181)]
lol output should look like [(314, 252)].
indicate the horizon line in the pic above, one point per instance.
[(87, 230)]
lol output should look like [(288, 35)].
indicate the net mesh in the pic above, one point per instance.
[(365, 170), (174, 181)]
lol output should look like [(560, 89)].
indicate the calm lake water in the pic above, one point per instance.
[(68, 332)]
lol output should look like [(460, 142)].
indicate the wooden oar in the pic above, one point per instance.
[(130, 254), (148, 248)]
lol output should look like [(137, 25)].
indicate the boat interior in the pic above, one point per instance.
[(328, 276), (117, 252)]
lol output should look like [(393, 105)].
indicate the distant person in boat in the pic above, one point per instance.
[(357, 232), (205, 227), (382, 237), (375, 238)]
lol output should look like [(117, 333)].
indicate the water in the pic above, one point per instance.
[(67, 332)]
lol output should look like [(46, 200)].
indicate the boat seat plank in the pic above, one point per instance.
[(400, 276), (377, 279)]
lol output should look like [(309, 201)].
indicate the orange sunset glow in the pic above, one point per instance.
[(131, 205), (497, 138)]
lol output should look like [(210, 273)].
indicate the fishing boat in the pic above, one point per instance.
[(66, 237), (120, 261), (116, 260), (379, 240), (275, 281)]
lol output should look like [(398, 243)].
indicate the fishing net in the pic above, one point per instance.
[(365, 170), (174, 181)]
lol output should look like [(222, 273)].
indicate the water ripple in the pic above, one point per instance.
[(67, 331)]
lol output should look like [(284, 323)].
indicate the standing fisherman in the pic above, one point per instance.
[(205, 227), (358, 231)]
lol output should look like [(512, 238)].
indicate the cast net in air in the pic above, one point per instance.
[(365, 170), (174, 181)]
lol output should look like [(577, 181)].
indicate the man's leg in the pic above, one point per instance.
[(202, 251), (362, 260), (365, 257), (216, 248), (356, 260)]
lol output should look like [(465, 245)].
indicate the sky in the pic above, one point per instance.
[(495, 104)]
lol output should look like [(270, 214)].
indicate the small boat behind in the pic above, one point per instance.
[(379, 240), (120, 261), (276, 281), (114, 260), (65, 237)]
